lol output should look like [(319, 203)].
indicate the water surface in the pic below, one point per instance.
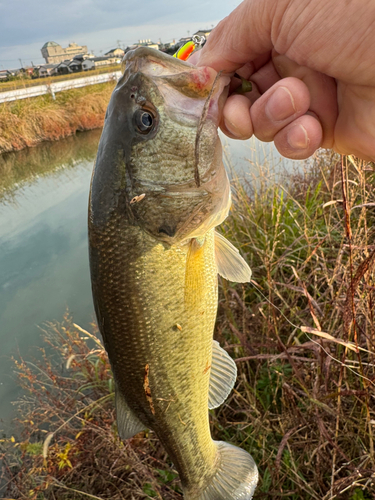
[(43, 247)]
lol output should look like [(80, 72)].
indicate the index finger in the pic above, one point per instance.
[(239, 38)]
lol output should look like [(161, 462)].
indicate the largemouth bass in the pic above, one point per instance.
[(159, 189)]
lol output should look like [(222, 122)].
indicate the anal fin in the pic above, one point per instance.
[(128, 425), (230, 264), (222, 376)]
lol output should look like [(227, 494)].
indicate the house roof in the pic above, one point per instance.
[(64, 63), (113, 50), (100, 59), (50, 44), (203, 32), (10, 71)]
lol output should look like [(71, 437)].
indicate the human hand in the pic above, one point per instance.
[(312, 66)]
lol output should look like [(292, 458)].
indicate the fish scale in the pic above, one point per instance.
[(163, 303)]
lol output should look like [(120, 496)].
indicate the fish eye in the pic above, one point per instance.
[(144, 121)]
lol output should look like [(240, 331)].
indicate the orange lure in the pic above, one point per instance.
[(185, 51)]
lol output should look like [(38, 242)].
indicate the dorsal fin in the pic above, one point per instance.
[(222, 377), (230, 264)]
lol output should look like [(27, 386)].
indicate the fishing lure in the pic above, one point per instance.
[(188, 48)]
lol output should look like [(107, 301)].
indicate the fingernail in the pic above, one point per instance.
[(297, 137), (232, 129), (280, 105)]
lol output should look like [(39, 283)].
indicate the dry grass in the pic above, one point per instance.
[(302, 334), (69, 447), (28, 122)]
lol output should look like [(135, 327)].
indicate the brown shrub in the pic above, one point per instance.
[(28, 122)]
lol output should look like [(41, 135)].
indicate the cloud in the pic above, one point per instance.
[(25, 24), (39, 19)]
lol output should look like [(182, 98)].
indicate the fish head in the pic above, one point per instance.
[(160, 158)]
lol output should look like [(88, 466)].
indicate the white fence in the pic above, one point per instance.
[(13, 95)]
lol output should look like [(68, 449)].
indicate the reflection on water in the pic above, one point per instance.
[(43, 247), (19, 168), (43, 241)]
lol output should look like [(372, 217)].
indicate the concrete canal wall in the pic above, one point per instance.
[(13, 95)]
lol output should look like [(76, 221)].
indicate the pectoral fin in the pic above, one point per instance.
[(128, 425), (195, 275), (222, 377), (230, 264)]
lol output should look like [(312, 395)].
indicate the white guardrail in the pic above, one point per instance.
[(13, 95)]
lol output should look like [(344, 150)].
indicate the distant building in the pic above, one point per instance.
[(47, 70), (53, 52), (148, 43), (98, 62), (5, 75), (205, 33), (65, 67), (28, 70), (83, 57), (118, 53)]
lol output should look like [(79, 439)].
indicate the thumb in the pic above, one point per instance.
[(239, 38)]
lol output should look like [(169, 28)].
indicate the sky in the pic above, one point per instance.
[(25, 25)]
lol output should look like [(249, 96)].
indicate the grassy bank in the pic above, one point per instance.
[(28, 122), (303, 337)]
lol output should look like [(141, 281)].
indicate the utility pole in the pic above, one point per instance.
[(20, 63)]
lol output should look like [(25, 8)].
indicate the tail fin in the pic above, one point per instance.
[(236, 476)]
